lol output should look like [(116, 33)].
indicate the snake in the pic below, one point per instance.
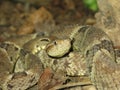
[(75, 51), (100, 55)]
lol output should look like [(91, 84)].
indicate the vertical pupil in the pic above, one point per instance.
[(55, 42)]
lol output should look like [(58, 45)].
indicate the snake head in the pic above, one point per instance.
[(59, 47)]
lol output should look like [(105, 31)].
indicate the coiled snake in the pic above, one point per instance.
[(86, 50)]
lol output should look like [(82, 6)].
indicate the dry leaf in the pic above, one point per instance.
[(40, 16), (49, 79)]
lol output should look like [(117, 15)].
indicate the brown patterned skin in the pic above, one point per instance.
[(102, 66), (88, 40), (25, 68), (79, 60), (105, 72)]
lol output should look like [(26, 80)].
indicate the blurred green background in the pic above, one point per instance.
[(91, 4)]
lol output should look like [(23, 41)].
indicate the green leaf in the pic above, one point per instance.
[(91, 4)]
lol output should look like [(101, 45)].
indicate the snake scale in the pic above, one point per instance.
[(75, 51)]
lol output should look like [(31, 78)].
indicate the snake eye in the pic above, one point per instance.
[(55, 43)]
